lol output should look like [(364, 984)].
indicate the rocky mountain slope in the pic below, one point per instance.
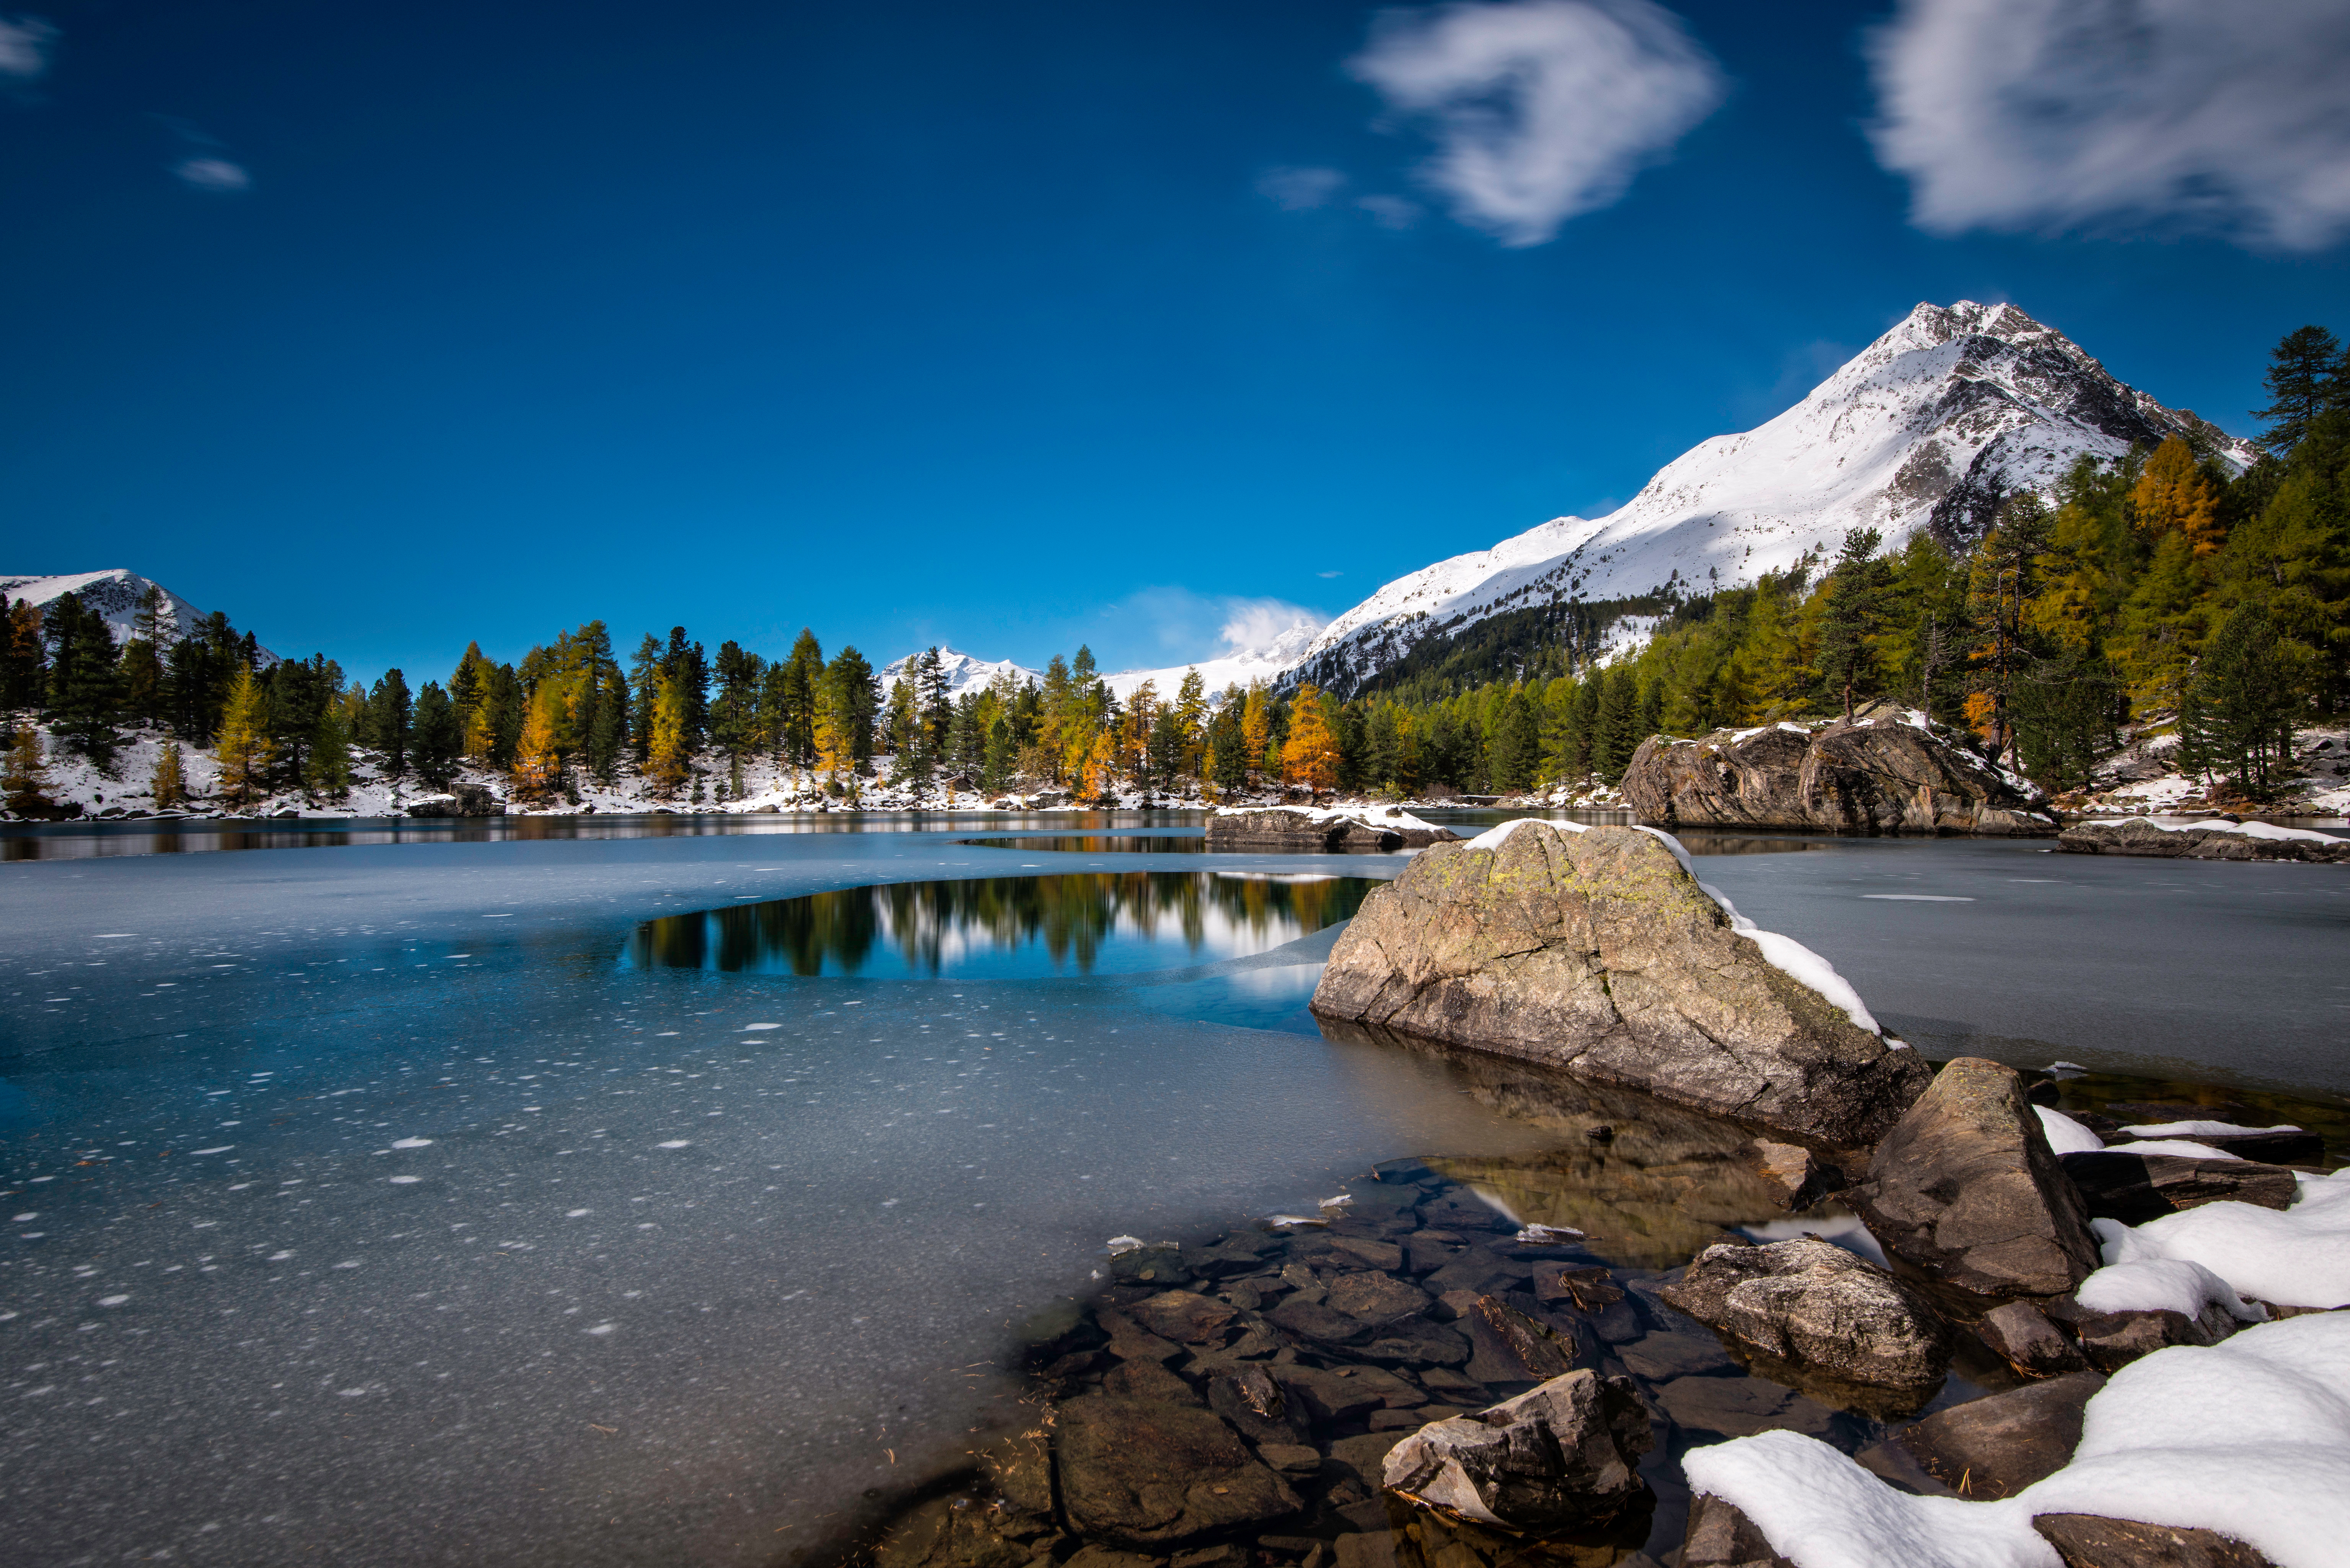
[(1929, 427), (967, 672)]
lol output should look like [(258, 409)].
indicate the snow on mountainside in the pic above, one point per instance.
[(967, 673), (113, 594), (1929, 427), (1267, 664), (964, 672)]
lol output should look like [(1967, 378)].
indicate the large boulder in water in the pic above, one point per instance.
[(1597, 952), (1966, 1191), (1883, 774)]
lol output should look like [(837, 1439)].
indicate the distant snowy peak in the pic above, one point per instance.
[(1930, 427), (964, 672), (115, 594), (1268, 664)]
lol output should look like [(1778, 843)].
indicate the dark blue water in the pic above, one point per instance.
[(367, 1204)]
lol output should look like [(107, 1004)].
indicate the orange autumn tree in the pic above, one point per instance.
[(1310, 756), (539, 760)]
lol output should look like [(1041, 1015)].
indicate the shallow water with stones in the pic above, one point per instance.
[(368, 1201)]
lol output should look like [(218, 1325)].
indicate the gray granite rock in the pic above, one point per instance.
[(1966, 1191), (1878, 775), (1817, 1307), (1564, 1455), (1596, 952)]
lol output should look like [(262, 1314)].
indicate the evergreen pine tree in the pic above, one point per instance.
[(24, 659), (242, 750), (608, 735), (2305, 376), (2248, 694), (507, 707), (1854, 614), (439, 737), (85, 692), (392, 712), (328, 772)]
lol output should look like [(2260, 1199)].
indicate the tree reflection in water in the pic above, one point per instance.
[(1004, 926)]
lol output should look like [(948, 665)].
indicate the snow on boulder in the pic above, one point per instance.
[(1597, 952), (1313, 829), (2299, 1256), (2203, 839)]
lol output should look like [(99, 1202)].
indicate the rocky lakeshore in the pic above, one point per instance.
[(1297, 829), (1976, 1318)]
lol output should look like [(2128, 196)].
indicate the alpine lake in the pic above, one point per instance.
[(739, 1190)]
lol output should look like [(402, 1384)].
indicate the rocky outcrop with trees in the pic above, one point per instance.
[(2223, 838), (1880, 775)]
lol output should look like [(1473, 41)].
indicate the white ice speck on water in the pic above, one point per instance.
[(111, 1301), (600, 1328), (410, 1142), (750, 1026), (578, 1213), (404, 1180), (348, 1263), (23, 1218), (223, 1148), (279, 1257), (1919, 898), (675, 1143)]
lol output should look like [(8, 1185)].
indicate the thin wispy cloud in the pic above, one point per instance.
[(1391, 211), (1541, 110), (212, 174), (25, 46), (1295, 190), (2052, 115)]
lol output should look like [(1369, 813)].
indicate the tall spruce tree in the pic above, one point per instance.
[(390, 712), (2306, 378), (1855, 614), (439, 737)]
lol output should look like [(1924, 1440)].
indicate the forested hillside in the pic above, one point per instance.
[(2161, 589)]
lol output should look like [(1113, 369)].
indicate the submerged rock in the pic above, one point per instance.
[(2219, 840), (1883, 774), (1561, 1456), (1820, 1310), (1145, 1474), (1597, 952), (1966, 1191)]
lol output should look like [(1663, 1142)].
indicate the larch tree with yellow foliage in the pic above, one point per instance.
[(1257, 723), (242, 748), (2173, 495), (538, 759), (1101, 766), (669, 763), (1310, 757)]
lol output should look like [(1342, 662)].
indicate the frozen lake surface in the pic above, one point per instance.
[(371, 1203)]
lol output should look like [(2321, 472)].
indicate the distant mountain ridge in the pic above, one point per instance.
[(1269, 663), (1929, 427), (113, 594)]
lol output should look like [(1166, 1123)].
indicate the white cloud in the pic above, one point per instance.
[(1329, 574), (1391, 211), (1258, 623), (1541, 109), (2042, 115), (1169, 626), (25, 46), (212, 174), (1296, 190)]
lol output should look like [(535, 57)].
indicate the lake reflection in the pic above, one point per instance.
[(1006, 928), (1102, 843)]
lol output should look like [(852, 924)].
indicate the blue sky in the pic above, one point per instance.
[(383, 329)]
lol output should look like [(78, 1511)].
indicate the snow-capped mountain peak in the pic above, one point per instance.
[(1931, 426), (114, 593), (964, 671)]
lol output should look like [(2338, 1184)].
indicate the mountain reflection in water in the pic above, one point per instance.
[(1006, 928)]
